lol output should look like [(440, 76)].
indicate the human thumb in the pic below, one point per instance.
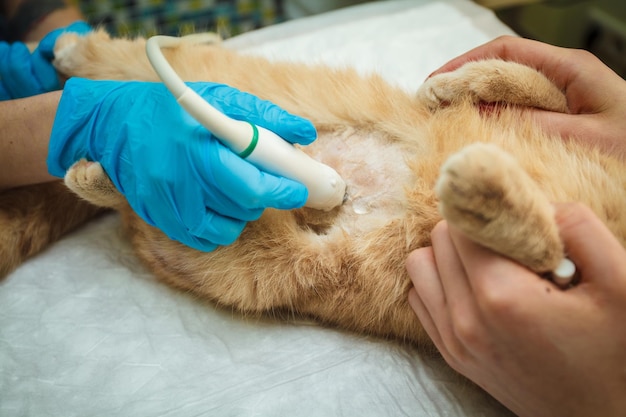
[(592, 247)]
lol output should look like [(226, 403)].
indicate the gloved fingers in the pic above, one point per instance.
[(23, 74), (187, 220), (199, 244), (16, 72), (183, 210), (4, 51), (244, 106), (247, 190), (283, 193), (44, 72), (185, 237), (292, 128), (215, 229), (46, 45)]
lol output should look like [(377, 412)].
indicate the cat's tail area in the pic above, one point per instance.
[(35, 216)]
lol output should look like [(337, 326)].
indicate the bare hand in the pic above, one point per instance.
[(596, 95), (537, 349)]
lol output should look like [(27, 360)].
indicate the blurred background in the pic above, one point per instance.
[(179, 17), (596, 25)]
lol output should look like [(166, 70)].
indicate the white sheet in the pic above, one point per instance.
[(86, 331)]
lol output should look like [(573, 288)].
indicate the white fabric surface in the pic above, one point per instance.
[(85, 330)]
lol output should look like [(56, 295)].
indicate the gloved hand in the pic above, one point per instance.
[(23, 74), (173, 172)]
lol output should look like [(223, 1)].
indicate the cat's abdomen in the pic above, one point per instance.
[(314, 263), (376, 176)]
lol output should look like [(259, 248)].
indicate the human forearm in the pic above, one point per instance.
[(26, 125)]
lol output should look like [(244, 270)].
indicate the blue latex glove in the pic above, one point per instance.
[(23, 74), (173, 172)]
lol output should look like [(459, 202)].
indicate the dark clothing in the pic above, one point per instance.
[(28, 14)]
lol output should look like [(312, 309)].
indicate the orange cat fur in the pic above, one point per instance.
[(401, 154)]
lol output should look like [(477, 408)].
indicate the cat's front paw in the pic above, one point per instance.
[(81, 55), (64, 53), (485, 193), (89, 181)]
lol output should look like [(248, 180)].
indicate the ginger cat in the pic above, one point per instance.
[(406, 158)]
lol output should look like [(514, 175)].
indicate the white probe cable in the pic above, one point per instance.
[(261, 147)]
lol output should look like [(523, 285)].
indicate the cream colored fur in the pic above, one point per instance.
[(406, 157)]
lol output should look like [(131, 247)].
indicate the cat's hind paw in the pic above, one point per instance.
[(485, 193), (493, 81), (89, 181)]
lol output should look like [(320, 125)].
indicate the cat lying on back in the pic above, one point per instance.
[(406, 158)]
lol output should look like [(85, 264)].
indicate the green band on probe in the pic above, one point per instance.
[(255, 138)]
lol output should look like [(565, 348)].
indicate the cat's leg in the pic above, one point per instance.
[(33, 217), (97, 56), (89, 181), (493, 81), (485, 193), (67, 55)]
